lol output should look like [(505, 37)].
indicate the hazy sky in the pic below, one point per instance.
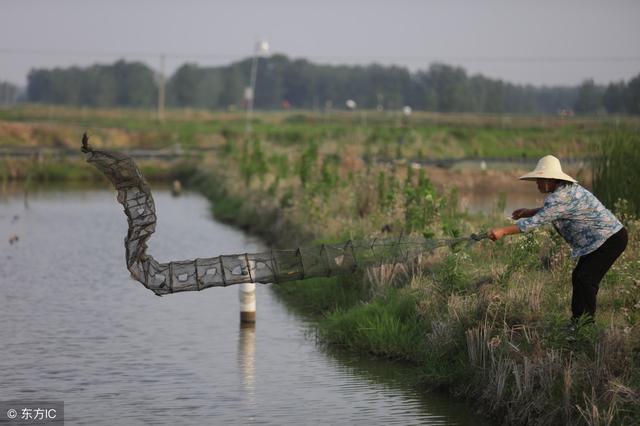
[(534, 41)]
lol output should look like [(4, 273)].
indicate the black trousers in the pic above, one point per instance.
[(590, 270)]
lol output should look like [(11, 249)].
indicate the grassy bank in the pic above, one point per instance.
[(490, 324), (55, 170)]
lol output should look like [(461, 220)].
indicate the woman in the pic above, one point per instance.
[(596, 236)]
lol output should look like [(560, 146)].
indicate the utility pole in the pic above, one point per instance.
[(161, 88), (261, 48), (249, 93)]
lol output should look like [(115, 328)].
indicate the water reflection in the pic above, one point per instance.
[(403, 380), (246, 354)]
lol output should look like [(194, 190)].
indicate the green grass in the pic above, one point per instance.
[(317, 296), (53, 170), (48, 171), (386, 326)]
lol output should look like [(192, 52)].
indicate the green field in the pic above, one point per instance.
[(386, 135)]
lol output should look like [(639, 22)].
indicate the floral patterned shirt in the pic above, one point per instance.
[(578, 216)]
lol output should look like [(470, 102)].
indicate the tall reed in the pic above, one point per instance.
[(616, 169)]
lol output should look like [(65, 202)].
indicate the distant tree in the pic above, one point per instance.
[(97, 87), (269, 82), (423, 95), (55, 86), (210, 89), (135, 84), (9, 93), (121, 84), (184, 85), (589, 98), (613, 98), (486, 95), (633, 95), (299, 84), (553, 99), (37, 85), (235, 78), (451, 87), (302, 84), (519, 99), (387, 86)]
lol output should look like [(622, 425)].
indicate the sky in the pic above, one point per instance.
[(540, 42)]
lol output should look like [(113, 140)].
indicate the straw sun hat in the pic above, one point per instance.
[(548, 168)]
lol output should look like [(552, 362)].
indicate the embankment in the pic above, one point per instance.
[(487, 324)]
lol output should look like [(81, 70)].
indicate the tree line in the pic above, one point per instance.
[(9, 93), (286, 83)]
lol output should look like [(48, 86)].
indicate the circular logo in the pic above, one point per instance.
[(12, 414)]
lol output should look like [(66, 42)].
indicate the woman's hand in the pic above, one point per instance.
[(519, 213), (496, 233)]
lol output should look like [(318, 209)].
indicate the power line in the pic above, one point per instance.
[(106, 53), (228, 56), (496, 58)]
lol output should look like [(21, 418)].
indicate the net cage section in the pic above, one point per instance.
[(273, 266)]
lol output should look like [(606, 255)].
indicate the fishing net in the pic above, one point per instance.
[(273, 266)]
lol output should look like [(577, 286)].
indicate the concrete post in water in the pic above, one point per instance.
[(177, 188), (247, 302), (247, 296)]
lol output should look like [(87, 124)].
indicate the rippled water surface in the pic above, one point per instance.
[(76, 328)]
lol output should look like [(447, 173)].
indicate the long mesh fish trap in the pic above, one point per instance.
[(273, 266)]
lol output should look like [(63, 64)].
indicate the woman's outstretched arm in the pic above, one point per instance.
[(496, 233)]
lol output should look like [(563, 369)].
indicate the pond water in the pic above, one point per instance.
[(76, 328), (503, 201)]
